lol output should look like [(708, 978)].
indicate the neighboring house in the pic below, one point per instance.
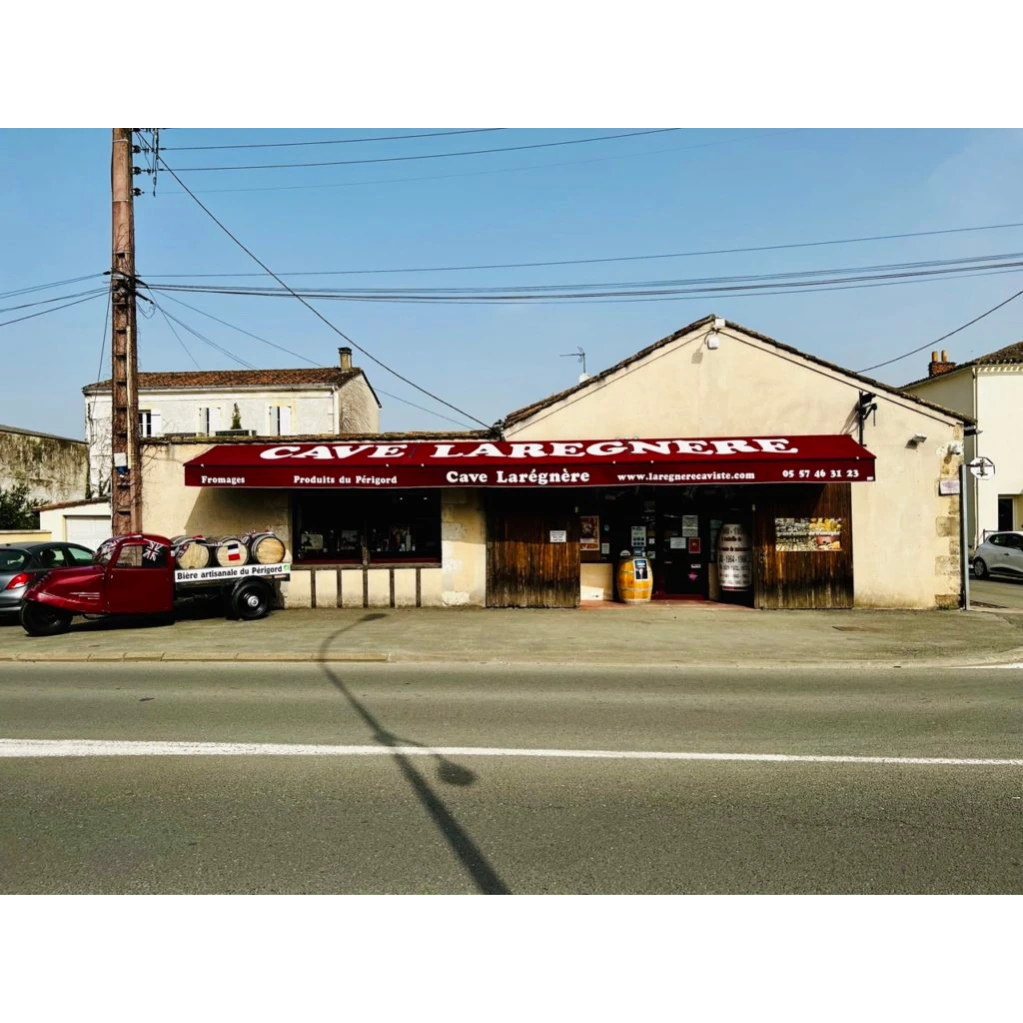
[(258, 402), (988, 389), (86, 522), (53, 468)]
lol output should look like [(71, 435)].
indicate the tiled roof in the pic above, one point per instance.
[(333, 438), (328, 376), (1002, 356), (874, 385)]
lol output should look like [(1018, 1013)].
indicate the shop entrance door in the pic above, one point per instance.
[(532, 550), (681, 566)]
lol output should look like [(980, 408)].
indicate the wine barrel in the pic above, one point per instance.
[(266, 548), (192, 551), (230, 551), (635, 580)]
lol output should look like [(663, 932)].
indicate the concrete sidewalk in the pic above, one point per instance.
[(681, 634)]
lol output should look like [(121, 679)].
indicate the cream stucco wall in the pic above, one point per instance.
[(906, 544), (1000, 404), (172, 509), (358, 410)]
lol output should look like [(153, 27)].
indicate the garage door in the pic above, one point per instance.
[(88, 530)]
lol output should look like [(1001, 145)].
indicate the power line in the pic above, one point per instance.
[(708, 286), (50, 301), (498, 170), (52, 284), (312, 362), (915, 351), (54, 309), (433, 156), (315, 311), (608, 259), (180, 340), (333, 142), (206, 340)]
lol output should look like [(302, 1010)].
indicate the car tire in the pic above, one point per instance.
[(250, 600), (980, 569), (42, 620)]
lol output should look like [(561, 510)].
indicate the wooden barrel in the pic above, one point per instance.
[(192, 551), (735, 558), (265, 548), (635, 580), (230, 551)]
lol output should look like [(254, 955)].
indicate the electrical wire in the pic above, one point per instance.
[(431, 156), (936, 341), (54, 309), (50, 301), (332, 142), (312, 362), (206, 340), (496, 170), (607, 259), (52, 283), (707, 286), (195, 361), (312, 309)]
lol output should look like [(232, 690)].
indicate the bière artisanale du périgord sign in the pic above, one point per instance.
[(711, 461)]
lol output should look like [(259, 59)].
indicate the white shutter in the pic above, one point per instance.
[(271, 421), (155, 429), (285, 411), (216, 419)]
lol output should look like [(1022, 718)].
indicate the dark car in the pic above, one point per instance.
[(21, 563)]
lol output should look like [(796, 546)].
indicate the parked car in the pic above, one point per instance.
[(20, 564), (999, 554), (138, 574)]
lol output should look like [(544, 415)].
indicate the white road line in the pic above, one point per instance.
[(112, 748)]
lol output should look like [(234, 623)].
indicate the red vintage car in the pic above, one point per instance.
[(137, 575)]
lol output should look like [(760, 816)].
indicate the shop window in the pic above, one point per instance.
[(385, 527)]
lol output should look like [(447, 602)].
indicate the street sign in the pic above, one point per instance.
[(983, 468)]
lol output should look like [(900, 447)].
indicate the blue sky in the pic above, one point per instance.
[(658, 193)]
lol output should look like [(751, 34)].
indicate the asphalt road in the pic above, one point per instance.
[(997, 592), (412, 820)]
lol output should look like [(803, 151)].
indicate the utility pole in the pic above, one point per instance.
[(126, 468)]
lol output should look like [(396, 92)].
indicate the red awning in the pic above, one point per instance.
[(690, 461)]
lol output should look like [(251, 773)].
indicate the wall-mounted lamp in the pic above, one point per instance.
[(955, 447), (917, 439), (713, 341)]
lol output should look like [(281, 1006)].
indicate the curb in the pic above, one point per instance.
[(1005, 659)]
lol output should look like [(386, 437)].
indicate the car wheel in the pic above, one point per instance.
[(250, 600), (979, 568), (42, 620)]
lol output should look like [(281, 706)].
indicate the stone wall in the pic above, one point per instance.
[(54, 468)]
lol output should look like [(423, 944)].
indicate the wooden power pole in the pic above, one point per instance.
[(126, 467)]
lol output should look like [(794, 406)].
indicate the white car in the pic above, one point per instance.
[(999, 554)]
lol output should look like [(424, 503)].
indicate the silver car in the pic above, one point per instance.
[(999, 554), (22, 562)]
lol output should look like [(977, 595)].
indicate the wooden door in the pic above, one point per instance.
[(807, 578), (524, 567)]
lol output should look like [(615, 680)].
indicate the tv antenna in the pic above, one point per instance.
[(581, 356)]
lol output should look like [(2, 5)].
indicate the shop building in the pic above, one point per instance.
[(739, 468)]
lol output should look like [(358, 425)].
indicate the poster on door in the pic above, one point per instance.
[(589, 532), (690, 525), (807, 534)]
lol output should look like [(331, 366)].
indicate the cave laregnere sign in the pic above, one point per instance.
[(675, 461)]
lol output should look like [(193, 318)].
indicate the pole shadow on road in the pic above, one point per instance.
[(469, 854)]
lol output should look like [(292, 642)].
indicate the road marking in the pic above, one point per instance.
[(113, 748)]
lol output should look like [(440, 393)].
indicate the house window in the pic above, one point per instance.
[(209, 421), (384, 527), (280, 420), (149, 423)]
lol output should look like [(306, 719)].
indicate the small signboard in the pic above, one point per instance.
[(559, 536), (638, 536), (948, 488), (983, 468), (690, 525), (694, 545), (677, 543)]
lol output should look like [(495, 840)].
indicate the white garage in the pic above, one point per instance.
[(83, 522)]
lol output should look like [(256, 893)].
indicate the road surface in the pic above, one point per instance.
[(997, 592), (368, 804)]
